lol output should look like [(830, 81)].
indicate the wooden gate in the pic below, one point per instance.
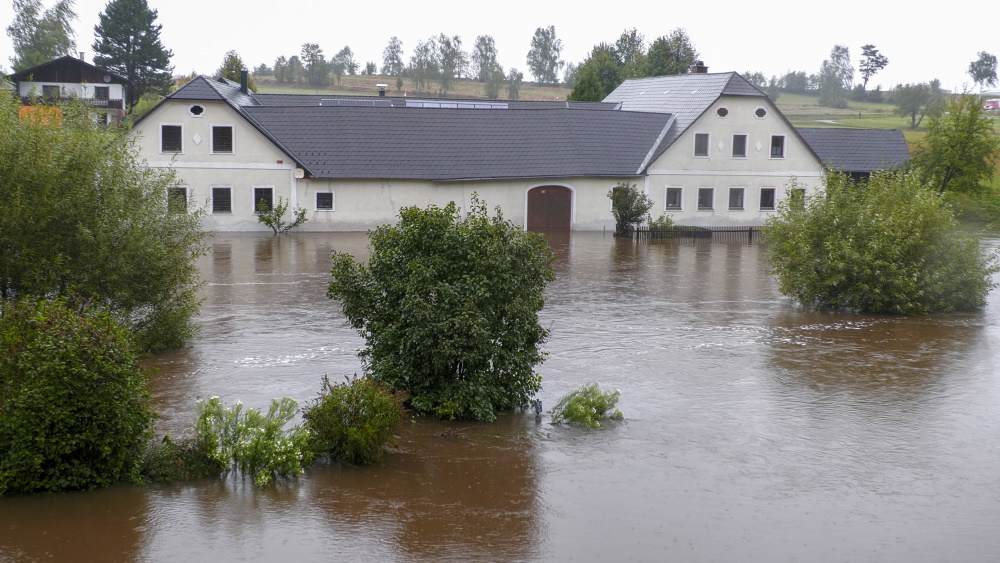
[(550, 208)]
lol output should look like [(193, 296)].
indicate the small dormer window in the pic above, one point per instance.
[(722, 112), (760, 113), (197, 110)]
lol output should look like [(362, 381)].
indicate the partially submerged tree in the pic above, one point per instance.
[(959, 151), (887, 245), (127, 42), (629, 206), (448, 307), (83, 216)]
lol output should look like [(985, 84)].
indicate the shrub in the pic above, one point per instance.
[(274, 217), (663, 223), (448, 308), (253, 443), (169, 461), (74, 410), (587, 406), (629, 206), (887, 245), (353, 421)]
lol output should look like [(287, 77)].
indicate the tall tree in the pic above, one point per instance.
[(232, 67), (871, 62), (127, 42), (543, 57), (836, 77), (919, 100), (423, 63), (756, 78), (514, 79), (597, 76), (345, 60), (281, 69), (316, 68), (671, 54), (984, 70), (294, 71), (392, 58), (483, 58), (959, 150), (451, 61), (39, 36), (370, 68), (630, 50)]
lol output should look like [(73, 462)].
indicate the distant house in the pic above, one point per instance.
[(709, 149), (71, 78), (858, 152)]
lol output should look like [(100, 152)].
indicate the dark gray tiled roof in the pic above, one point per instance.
[(203, 89), (397, 101), (857, 150), (457, 144)]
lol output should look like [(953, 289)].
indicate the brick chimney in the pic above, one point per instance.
[(699, 68)]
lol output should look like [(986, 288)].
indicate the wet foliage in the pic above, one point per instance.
[(587, 406), (171, 461), (74, 409)]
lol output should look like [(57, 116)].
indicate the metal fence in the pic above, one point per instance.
[(749, 233)]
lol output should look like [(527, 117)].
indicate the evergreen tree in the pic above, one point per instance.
[(37, 36), (128, 43), (232, 67)]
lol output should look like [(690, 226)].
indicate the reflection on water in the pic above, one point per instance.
[(757, 430)]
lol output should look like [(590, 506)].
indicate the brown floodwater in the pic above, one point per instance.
[(756, 430)]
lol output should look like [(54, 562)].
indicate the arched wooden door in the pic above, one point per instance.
[(550, 208)]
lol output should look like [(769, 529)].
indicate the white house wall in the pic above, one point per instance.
[(115, 91), (678, 167)]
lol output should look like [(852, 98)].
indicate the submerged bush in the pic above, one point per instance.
[(354, 421), (74, 410), (587, 406), (170, 461), (887, 245), (253, 443)]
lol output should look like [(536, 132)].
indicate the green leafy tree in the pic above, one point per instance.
[(887, 245), (423, 63), (629, 206), (630, 51), (543, 57), (587, 406), (39, 36), (451, 61), (232, 67), (74, 410), (756, 78), (274, 217), (281, 69), (82, 215), (836, 77), (127, 42), (263, 70), (392, 58), (959, 151), (295, 72), (671, 54), (371, 69), (919, 100), (514, 80), (345, 62), (597, 76), (872, 61), (483, 58), (983, 70), (314, 64), (795, 82), (494, 81), (448, 307)]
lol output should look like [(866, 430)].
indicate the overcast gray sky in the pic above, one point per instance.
[(923, 41)]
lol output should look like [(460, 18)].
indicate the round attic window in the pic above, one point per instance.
[(761, 112), (722, 112), (197, 111)]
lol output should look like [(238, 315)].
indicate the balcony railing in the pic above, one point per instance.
[(105, 103)]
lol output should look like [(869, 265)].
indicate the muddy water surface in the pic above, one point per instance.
[(756, 430)]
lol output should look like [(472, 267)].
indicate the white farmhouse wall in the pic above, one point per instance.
[(720, 171), (115, 91)]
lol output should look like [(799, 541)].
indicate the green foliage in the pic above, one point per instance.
[(448, 307), (887, 245), (353, 422), (170, 461), (662, 223), (959, 151), (39, 36), (253, 443), (587, 406), (392, 58), (629, 206), (836, 76), (918, 100), (82, 216), (597, 76), (274, 217), (983, 70), (671, 54), (514, 79), (127, 42), (233, 67), (872, 61), (543, 57), (74, 410)]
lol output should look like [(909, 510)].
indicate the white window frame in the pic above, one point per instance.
[(232, 138), (162, 125), (708, 145), (680, 198), (746, 146), (774, 199), (743, 199), (253, 192), (784, 147), (232, 198), (711, 207), (333, 201)]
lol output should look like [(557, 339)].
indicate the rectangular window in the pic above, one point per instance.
[(222, 200), (736, 199), (701, 144), (102, 92), (171, 138), (177, 199), (674, 198), (222, 139), (263, 197), (324, 201), (777, 146), (767, 199), (739, 146), (705, 198)]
